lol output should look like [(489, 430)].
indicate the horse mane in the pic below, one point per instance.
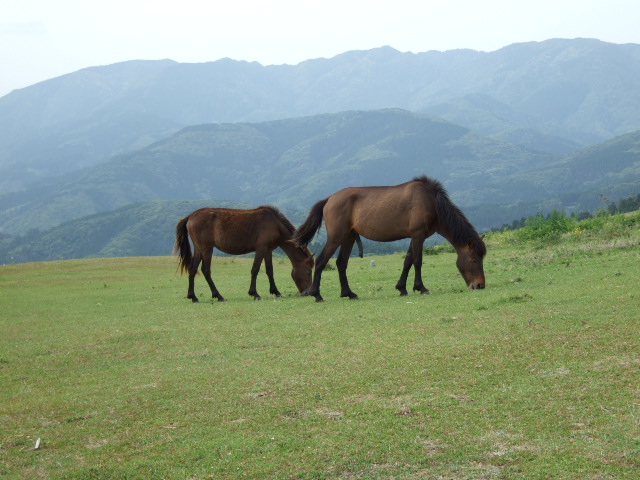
[(451, 217), (281, 216)]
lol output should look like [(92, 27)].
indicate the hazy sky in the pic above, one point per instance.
[(42, 39)]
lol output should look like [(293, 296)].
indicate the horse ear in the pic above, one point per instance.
[(482, 237)]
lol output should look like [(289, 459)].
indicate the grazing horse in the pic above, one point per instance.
[(237, 232), (415, 210)]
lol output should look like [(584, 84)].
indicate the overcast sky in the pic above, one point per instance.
[(42, 39)]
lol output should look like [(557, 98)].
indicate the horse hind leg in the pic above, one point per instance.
[(255, 269), (193, 269), (359, 243), (342, 263), (321, 262)]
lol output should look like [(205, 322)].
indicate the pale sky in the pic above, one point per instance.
[(42, 39)]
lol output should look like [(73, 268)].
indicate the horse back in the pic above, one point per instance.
[(235, 231), (382, 213)]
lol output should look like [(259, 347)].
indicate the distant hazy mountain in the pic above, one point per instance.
[(291, 162), (294, 162), (612, 167), (551, 96), (495, 119)]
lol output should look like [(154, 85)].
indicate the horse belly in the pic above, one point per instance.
[(231, 249), (381, 224), (240, 241), (380, 235)]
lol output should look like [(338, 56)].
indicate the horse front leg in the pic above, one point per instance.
[(206, 271), (416, 251), (402, 282), (341, 263), (255, 269), (268, 264)]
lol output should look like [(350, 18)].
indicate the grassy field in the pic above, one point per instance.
[(121, 377)]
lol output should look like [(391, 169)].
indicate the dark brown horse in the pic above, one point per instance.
[(415, 210), (237, 232)]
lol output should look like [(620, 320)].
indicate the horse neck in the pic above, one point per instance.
[(451, 239), (294, 253)]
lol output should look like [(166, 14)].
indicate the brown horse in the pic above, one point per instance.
[(237, 232), (415, 210)]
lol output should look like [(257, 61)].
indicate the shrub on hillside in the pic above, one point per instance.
[(551, 227), (618, 224)]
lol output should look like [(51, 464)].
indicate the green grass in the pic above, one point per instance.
[(120, 376)]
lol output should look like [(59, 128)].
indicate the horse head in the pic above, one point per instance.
[(470, 258), (302, 269)]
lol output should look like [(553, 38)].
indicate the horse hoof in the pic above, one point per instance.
[(422, 289), (319, 299), (403, 293), (257, 297)]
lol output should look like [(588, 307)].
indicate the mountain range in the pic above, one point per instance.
[(529, 127)]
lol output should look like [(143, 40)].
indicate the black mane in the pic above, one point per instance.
[(281, 216), (451, 217)]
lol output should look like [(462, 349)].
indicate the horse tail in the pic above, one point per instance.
[(182, 246), (305, 232)]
